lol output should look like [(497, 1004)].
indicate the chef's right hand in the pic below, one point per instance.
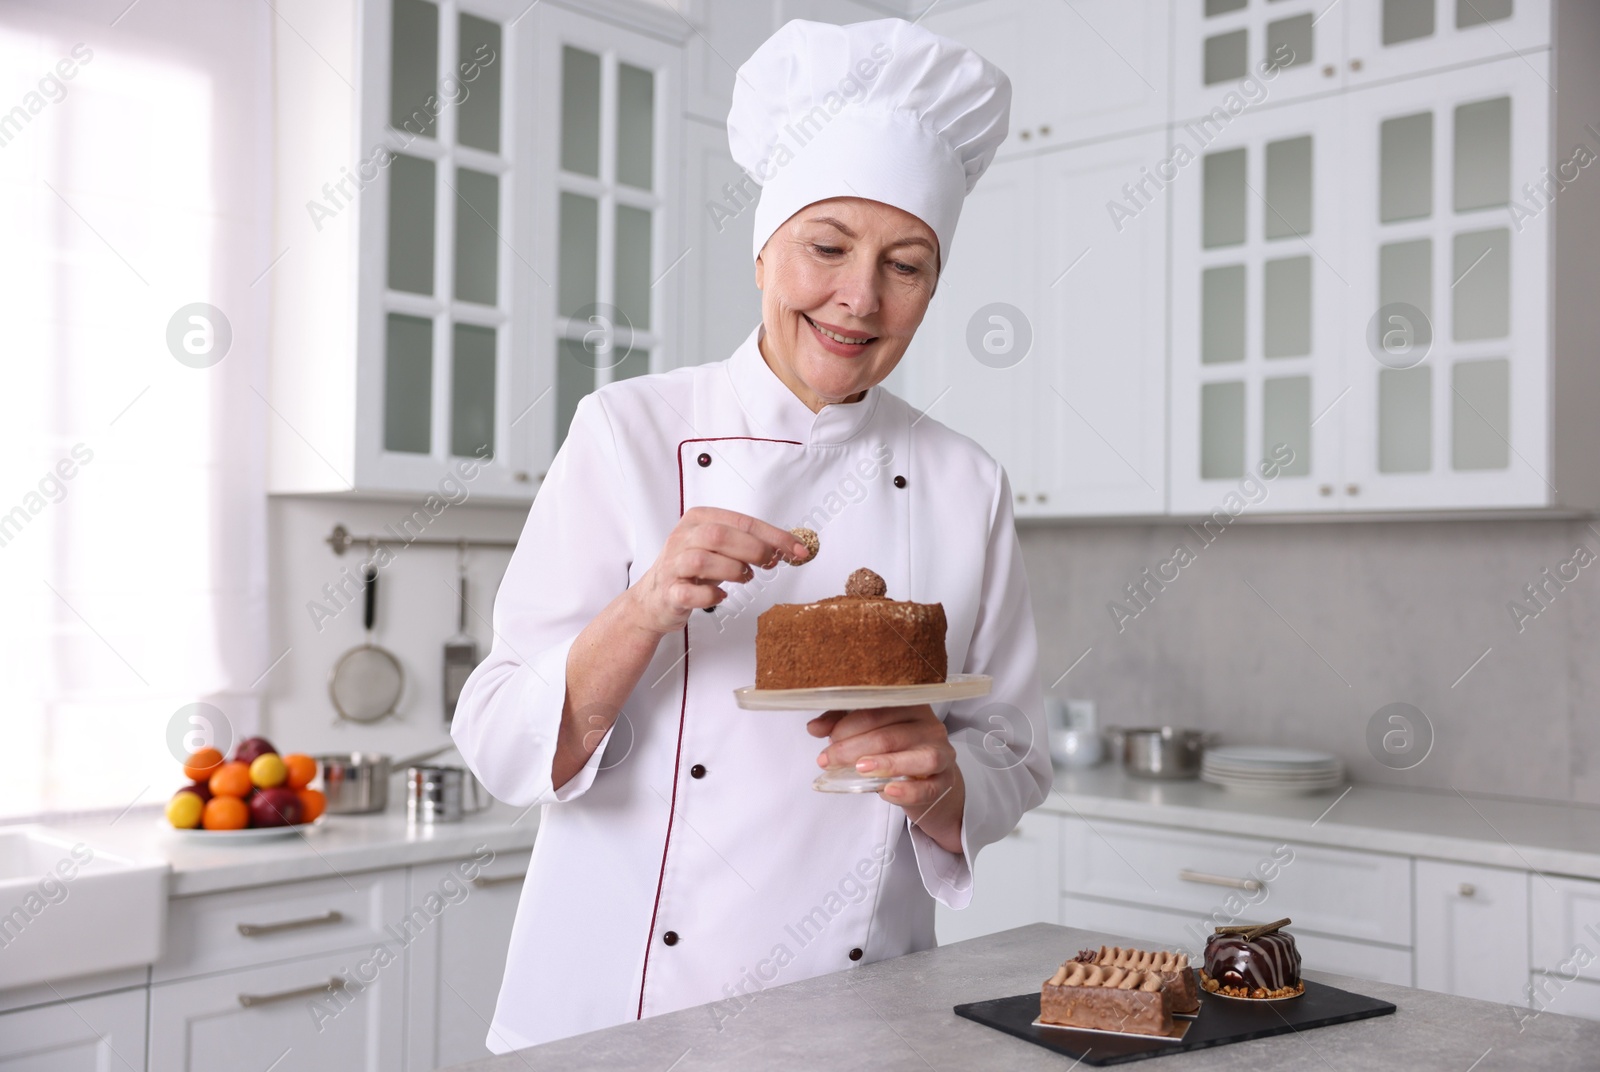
[(708, 547)]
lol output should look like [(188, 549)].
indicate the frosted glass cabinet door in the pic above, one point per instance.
[(1446, 328), (1258, 278), (1232, 53), (1399, 38)]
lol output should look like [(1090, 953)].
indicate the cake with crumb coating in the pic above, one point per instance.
[(860, 638)]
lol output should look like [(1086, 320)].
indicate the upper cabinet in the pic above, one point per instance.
[(1395, 38), (469, 207), (1079, 71), (1231, 54)]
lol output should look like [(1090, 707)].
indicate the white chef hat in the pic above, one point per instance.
[(884, 110)]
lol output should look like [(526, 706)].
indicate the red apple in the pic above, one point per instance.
[(279, 806), (199, 789), (250, 748)]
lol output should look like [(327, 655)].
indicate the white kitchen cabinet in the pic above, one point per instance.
[(1015, 883), (1457, 413), (1472, 931), (88, 1034), (1259, 271), (419, 319), (1079, 72), (1185, 931), (1254, 51), (1566, 926), (455, 964), (1048, 352), (722, 304), (1386, 39), (284, 1012), (1562, 994)]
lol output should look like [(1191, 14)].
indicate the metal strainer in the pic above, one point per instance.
[(366, 683)]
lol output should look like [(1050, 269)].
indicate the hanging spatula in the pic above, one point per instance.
[(460, 651)]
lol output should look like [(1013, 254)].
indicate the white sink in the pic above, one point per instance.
[(70, 908)]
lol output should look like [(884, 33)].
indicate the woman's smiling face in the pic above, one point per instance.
[(844, 284)]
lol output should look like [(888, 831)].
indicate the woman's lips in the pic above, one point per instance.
[(833, 345)]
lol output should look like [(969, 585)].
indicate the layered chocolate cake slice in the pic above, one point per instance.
[(1172, 967), (1253, 962), (1106, 999), (860, 638)]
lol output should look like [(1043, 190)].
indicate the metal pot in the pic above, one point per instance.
[(1164, 752), (357, 783)]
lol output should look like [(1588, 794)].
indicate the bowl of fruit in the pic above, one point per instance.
[(255, 794)]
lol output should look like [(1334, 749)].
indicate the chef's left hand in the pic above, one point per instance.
[(901, 740)]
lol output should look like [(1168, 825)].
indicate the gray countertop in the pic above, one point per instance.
[(896, 1014)]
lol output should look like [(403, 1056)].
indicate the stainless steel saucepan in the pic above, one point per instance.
[(1165, 752), (358, 782)]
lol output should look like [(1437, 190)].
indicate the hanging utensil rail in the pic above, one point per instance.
[(341, 540)]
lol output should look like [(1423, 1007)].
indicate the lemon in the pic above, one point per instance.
[(268, 770), (183, 810)]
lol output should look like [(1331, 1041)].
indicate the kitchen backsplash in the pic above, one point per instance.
[(1268, 633)]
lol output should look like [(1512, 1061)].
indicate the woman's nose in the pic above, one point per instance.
[(857, 289)]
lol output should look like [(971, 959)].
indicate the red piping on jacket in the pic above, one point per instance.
[(683, 707)]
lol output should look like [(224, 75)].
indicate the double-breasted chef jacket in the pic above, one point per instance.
[(690, 862)]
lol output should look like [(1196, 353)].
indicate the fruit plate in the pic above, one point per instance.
[(850, 697), (248, 834)]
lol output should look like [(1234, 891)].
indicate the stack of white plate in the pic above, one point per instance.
[(1257, 769)]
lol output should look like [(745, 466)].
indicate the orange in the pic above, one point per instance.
[(267, 771), (231, 780), (312, 804), (225, 813), (302, 768), (199, 767)]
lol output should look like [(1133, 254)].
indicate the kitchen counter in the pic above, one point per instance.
[(896, 1014), (1553, 838), (337, 844)]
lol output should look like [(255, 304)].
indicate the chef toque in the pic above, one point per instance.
[(884, 110)]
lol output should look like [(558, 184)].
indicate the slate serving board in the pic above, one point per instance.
[(1220, 1022)]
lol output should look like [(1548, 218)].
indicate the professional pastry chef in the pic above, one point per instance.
[(683, 858)]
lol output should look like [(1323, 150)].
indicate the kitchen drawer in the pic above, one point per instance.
[(285, 1016), (1472, 931), (84, 1035), (265, 924), (1187, 933), (1569, 997), (1566, 926), (1334, 892)]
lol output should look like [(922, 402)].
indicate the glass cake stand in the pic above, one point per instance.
[(856, 697)]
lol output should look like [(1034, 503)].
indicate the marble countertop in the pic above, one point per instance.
[(897, 1015), (1554, 838), (338, 843)]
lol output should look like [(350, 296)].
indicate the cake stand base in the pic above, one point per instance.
[(848, 780)]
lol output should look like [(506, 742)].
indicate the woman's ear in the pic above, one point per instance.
[(760, 272)]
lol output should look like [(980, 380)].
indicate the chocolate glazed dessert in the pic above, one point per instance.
[(860, 638), (1253, 962)]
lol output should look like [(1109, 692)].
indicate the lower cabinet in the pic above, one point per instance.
[(1472, 931), (340, 1011), (1016, 883), (456, 964), (94, 1034)]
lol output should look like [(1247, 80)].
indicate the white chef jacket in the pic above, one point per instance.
[(690, 861)]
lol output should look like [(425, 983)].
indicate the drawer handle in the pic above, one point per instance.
[(1250, 884), (250, 1001), (483, 882), (256, 930), (1468, 890)]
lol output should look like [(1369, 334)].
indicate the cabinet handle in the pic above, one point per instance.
[(1355, 65), (520, 477), (1042, 497), (1044, 131), (1016, 831), (1325, 489), (1352, 489), (1468, 890), (1026, 135), (256, 930), (483, 882), (1328, 71), (1250, 884), (334, 983)]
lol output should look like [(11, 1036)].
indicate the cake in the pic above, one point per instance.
[(1172, 967), (860, 638), (1252, 962), (1106, 999)]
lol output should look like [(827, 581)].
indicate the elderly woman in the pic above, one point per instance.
[(682, 856)]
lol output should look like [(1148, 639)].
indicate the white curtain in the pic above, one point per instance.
[(135, 147)]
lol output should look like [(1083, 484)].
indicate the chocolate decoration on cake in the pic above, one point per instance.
[(1172, 967), (863, 582), (860, 638), (1252, 962), (812, 542)]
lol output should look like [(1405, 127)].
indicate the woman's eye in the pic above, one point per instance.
[(827, 251), (904, 269)]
